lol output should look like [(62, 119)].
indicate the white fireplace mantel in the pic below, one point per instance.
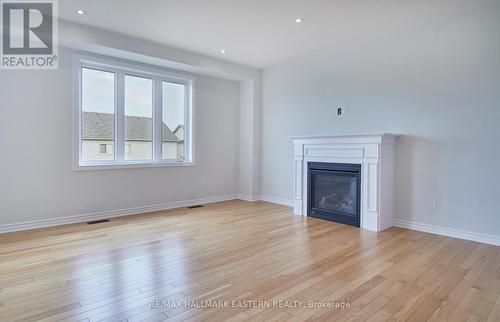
[(375, 154)]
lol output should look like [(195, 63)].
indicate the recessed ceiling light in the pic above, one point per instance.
[(298, 20), (80, 12), (222, 51)]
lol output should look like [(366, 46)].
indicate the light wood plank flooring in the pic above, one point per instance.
[(239, 251)]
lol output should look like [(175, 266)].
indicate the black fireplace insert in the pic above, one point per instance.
[(334, 192)]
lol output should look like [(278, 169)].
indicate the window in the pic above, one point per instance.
[(139, 117), (98, 113), (131, 116), (173, 103)]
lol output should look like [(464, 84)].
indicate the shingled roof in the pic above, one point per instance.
[(99, 126)]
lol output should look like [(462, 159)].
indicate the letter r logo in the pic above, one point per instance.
[(27, 28)]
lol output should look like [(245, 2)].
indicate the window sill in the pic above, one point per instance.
[(129, 165)]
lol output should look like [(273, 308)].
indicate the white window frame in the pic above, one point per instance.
[(158, 75)]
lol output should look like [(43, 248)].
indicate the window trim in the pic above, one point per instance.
[(158, 75)]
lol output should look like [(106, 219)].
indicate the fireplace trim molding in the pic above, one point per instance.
[(375, 154)]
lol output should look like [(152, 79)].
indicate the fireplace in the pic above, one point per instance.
[(334, 192), (373, 157)]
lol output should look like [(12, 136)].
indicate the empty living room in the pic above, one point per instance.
[(249, 160)]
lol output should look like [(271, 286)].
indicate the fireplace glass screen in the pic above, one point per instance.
[(336, 192)]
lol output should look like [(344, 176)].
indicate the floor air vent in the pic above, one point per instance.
[(197, 206), (97, 221)]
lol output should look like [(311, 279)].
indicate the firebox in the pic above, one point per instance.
[(334, 192)]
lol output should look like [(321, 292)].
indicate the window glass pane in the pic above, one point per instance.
[(98, 114), (138, 118), (173, 120)]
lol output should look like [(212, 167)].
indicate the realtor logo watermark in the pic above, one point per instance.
[(29, 34)]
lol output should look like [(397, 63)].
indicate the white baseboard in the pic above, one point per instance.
[(279, 201), (34, 224), (450, 232), (110, 214), (248, 197), (439, 230)]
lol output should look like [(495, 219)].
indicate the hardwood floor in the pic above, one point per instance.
[(240, 252)]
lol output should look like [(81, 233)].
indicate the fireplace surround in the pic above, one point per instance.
[(372, 153)]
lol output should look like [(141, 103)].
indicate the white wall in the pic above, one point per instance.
[(433, 77), (37, 180), (118, 45), (249, 173)]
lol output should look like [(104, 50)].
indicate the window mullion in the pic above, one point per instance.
[(120, 116), (157, 120), (80, 113), (187, 123)]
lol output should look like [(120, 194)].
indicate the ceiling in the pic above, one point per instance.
[(260, 33)]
